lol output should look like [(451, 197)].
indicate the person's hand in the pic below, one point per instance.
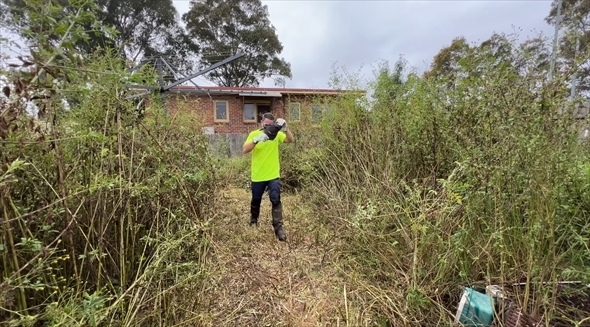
[(283, 123), (260, 138)]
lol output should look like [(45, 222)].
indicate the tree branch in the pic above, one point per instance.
[(60, 44)]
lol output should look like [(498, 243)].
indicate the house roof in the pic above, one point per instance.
[(257, 91)]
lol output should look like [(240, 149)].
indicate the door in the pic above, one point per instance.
[(262, 109)]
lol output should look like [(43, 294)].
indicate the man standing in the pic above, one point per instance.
[(265, 170)]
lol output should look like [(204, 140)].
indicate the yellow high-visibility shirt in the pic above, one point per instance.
[(265, 164)]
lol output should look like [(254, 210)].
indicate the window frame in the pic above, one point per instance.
[(226, 120), (257, 103), (321, 107), (298, 111), (255, 112)]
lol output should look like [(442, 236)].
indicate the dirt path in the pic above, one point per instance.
[(259, 281)]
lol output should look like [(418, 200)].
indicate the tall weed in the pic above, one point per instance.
[(103, 205), (452, 182)]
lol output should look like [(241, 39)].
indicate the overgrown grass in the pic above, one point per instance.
[(104, 213), (471, 178), (235, 171), (448, 183)]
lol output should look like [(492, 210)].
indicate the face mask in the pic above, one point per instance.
[(271, 131)]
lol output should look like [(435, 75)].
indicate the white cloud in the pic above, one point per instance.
[(303, 29), (355, 34)]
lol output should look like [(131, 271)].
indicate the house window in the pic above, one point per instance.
[(250, 112), (221, 111), (316, 112), (319, 110), (294, 111)]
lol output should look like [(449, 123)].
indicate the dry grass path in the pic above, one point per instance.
[(259, 281)]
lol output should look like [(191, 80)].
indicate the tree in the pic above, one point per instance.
[(143, 28), (575, 40), (460, 60), (149, 28), (499, 47), (446, 63), (534, 57), (389, 82), (225, 27)]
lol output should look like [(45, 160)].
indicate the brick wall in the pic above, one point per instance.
[(203, 108)]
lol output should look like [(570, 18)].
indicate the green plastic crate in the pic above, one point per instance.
[(475, 309)]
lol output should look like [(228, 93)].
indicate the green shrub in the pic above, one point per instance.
[(103, 211), (298, 159), (234, 171), (455, 181)]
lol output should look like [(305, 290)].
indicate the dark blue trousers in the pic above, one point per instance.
[(274, 194)]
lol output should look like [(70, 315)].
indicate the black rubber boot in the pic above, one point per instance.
[(254, 212), (277, 222), (253, 221)]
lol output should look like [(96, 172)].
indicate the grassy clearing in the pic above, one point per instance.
[(259, 281)]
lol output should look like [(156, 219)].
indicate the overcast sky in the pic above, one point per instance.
[(358, 34)]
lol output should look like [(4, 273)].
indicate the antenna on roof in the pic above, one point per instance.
[(280, 82), (159, 64)]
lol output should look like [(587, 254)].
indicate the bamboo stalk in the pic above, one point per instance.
[(22, 298)]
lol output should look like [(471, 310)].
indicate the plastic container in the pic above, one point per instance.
[(475, 309)]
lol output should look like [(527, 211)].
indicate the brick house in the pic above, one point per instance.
[(228, 110)]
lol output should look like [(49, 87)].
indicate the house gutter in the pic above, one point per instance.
[(259, 93)]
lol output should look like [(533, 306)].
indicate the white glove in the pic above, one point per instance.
[(283, 123), (260, 138)]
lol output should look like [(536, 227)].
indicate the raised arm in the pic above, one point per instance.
[(289, 136)]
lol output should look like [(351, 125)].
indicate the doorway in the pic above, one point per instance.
[(262, 109)]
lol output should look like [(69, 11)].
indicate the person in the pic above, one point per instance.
[(265, 170)]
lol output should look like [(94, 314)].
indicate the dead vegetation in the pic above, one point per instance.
[(261, 282)]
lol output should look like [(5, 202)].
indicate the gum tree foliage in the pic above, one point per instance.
[(389, 80), (446, 62), (143, 28), (451, 63), (225, 27), (575, 24), (461, 60)]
